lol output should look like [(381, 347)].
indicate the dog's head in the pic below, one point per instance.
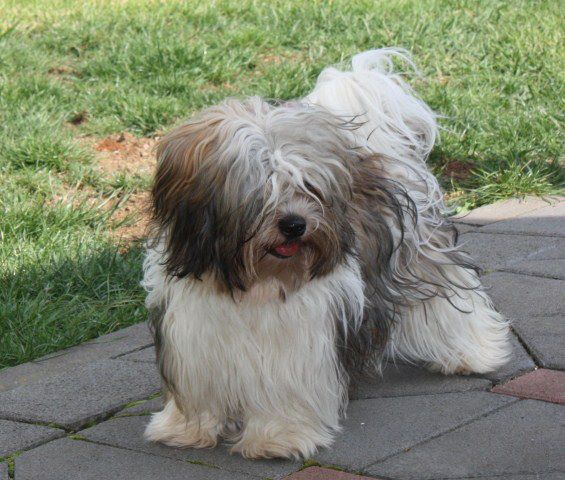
[(247, 192)]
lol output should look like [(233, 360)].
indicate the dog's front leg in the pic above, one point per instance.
[(288, 434), (295, 404), (171, 427)]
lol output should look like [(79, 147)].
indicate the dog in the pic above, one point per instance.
[(293, 245)]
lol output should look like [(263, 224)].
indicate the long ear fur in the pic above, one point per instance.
[(183, 211), (199, 227)]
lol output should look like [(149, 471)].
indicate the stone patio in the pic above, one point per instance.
[(80, 413)]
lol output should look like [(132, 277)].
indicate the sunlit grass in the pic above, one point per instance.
[(68, 69)]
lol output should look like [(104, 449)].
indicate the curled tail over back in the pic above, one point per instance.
[(392, 120), (396, 122)]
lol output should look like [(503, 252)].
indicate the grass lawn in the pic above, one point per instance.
[(85, 86)]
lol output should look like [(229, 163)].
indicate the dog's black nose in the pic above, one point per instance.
[(292, 226)]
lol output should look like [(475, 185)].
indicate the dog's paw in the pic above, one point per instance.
[(272, 449), (461, 369), (172, 428), (281, 440)]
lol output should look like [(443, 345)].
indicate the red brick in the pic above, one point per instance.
[(542, 384), (319, 473)]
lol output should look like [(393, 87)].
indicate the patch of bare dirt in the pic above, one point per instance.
[(125, 153), (450, 196), (443, 80), (63, 73), (134, 213), (61, 70), (275, 58), (79, 118), (269, 58), (457, 170), (130, 217), (132, 156)]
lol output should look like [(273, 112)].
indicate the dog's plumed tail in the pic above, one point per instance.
[(389, 118), (442, 317), (382, 103)]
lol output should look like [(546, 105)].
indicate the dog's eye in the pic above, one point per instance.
[(313, 190)]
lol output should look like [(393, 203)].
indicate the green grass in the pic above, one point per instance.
[(71, 69)]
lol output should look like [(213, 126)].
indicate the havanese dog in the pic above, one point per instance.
[(294, 244)]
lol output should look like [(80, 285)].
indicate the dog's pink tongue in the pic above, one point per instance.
[(287, 249)]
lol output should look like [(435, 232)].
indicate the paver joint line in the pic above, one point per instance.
[(514, 234), (518, 272), (139, 349), (430, 394), (528, 350), (107, 415), (38, 424), (105, 444), (449, 430)]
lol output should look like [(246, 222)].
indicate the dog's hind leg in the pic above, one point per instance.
[(454, 328)]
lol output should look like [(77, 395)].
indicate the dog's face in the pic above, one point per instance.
[(247, 192)]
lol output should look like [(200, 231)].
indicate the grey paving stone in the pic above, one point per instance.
[(544, 267), (522, 438), (3, 471), (548, 262), (67, 459), (87, 393), (528, 254), (536, 307), (524, 296), (520, 362), (549, 220), (144, 407), (106, 346), (531, 476), (16, 436), (143, 355), (402, 380), (377, 428), (503, 210), (127, 432)]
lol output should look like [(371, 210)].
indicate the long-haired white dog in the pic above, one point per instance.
[(295, 244)]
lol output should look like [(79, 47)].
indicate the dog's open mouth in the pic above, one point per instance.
[(286, 249)]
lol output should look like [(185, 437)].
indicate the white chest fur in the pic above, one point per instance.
[(259, 353)]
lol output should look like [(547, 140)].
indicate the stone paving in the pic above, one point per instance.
[(80, 413)]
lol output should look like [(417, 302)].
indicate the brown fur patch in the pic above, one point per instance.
[(181, 153)]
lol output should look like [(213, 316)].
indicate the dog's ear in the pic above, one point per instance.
[(182, 198), (204, 201), (180, 156)]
